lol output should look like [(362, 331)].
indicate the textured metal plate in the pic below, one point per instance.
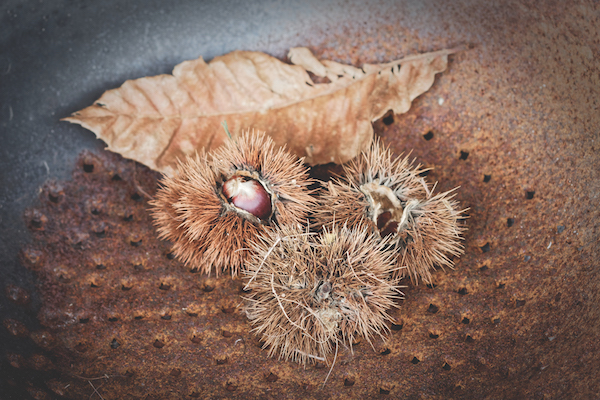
[(514, 122)]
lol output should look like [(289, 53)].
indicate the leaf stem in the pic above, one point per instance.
[(224, 123)]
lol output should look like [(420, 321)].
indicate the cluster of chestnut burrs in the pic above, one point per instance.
[(321, 266)]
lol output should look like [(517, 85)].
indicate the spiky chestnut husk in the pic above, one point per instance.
[(216, 203), (387, 194), (313, 293)]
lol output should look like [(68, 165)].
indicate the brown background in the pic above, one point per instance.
[(517, 318)]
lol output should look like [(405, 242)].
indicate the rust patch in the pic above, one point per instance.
[(513, 122)]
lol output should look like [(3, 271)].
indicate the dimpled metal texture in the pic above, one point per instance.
[(513, 122)]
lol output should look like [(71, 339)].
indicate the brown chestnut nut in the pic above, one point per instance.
[(248, 195)]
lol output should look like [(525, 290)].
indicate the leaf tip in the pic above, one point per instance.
[(72, 118)]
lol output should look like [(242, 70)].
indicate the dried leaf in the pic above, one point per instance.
[(155, 120)]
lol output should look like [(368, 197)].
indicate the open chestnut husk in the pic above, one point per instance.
[(217, 203)]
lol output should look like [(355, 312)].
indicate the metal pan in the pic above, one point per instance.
[(514, 121)]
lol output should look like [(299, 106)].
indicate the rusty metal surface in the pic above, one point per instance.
[(514, 122)]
